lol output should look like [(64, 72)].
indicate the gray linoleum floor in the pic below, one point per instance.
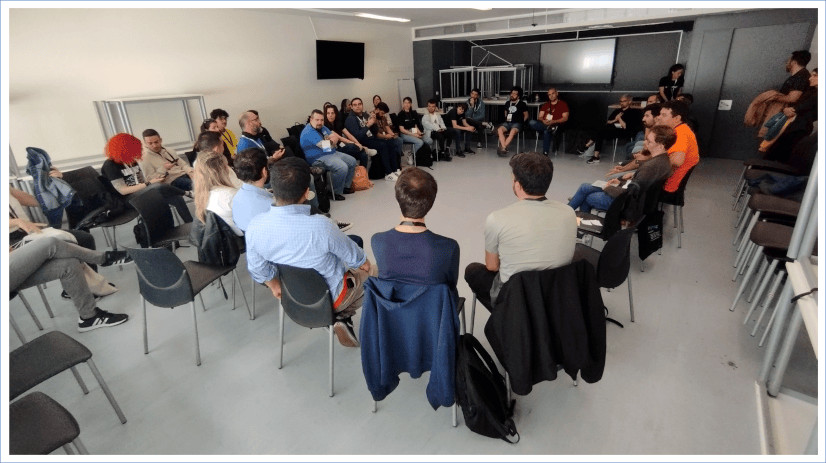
[(678, 381)]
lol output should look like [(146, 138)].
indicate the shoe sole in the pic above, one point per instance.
[(344, 336), (102, 325)]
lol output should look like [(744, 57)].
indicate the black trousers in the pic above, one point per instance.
[(480, 280)]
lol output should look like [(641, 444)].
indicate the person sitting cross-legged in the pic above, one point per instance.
[(658, 167), (319, 146)]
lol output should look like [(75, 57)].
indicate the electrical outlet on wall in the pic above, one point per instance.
[(724, 105)]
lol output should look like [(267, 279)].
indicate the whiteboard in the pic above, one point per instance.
[(407, 87)]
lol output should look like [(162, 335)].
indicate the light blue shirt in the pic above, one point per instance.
[(249, 202), (290, 235)]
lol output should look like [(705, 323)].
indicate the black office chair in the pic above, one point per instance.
[(48, 355), (157, 219), (38, 426), (306, 298), (610, 223), (165, 281), (93, 191), (613, 263), (677, 200)]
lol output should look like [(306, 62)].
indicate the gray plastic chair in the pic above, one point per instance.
[(38, 426), (165, 281), (48, 355), (306, 298)]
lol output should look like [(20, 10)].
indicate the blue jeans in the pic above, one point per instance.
[(342, 167), (183, 182), (355, 151), (416, 141), (511, 125), (589, 197), (547, 132)]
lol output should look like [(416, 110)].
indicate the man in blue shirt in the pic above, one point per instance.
[(318, 143), (287, 234), (252, 136)]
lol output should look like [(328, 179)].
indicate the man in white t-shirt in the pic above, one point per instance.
[(533, 233)]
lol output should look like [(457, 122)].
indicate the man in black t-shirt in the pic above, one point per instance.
[(516, 113), (798, 82), (624, 122), (457, 124)]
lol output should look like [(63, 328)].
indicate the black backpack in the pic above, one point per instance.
[(481, 392), (424, 156), (216, 242)]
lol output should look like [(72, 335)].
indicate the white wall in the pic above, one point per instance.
[(61, 60)]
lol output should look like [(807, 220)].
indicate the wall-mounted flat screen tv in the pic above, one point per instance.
[(577, 62), (339, 60)]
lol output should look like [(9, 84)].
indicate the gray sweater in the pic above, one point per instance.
[(650, 171)]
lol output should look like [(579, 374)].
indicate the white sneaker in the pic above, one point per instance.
[(391, 177), (343, 226), (370, 152), (398, 172), (410, 160)]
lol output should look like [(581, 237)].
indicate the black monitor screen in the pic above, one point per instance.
[(577, 62), (339, 60)]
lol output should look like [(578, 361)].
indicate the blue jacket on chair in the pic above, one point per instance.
[(409, 328), (53, 194)]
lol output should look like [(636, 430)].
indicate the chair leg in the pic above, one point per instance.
[(79, 380), (742, 178), (332, 357), (252, 283), (31, 312), (757, 255), (508, 387), (68, 449), (195, 325), (145, 334), (674, 208), (758, 279), (281, 336), (630, 298), (17, 330), (764, 283), (455, 413), (201, 297), (330, 182), (243, 296), (472, 313), (106, 391), (81, 449), (682, 230), (45, 301), (747, 233), (768, 302)]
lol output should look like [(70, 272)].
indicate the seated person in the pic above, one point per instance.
[(287, 234), (121, 168), (435, 129), (319, 146), (649, 115), (475, 115), (348, 144), (410, 126), (362, 126), (163, 162), (252, 136), (534, 233), (658, 167), (551, 116), (654, 98), (623, 122), (457, 123), (271, 146), (48, 259), (516, 114), (230, 139), (410, 252), (214, 189)]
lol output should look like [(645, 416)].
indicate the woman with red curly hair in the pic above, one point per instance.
[(121, 168)]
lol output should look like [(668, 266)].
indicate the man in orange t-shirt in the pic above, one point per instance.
[(683, 155)]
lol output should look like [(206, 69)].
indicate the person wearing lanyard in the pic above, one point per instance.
[(318, 143), (163, 162), (516, 113), (251, 135), (533, 233)]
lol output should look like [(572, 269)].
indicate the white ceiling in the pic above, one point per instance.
[(422, 16)]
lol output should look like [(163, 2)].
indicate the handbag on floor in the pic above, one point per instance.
[(360, 180)]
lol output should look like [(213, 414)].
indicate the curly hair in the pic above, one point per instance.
[(123, 149)]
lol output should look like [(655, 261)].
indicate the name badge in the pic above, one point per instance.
[(414, 130), (549, 117), (509, 117), (325, 146)]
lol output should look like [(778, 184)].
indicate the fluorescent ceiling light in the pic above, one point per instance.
[(383, 18), (483, 9)]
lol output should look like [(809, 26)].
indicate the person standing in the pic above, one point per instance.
[(671, 85)]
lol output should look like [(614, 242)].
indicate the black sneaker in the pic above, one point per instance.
[(115, 257), (593, 160), (343, 226), (459, 154), (469, 151), (102, 319), (445, 157)]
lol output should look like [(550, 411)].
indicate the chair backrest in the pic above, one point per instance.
[(678, 197), (305, 296), (615, 259), (162, 278), (613, 215), (154, 210), (85, 181)]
